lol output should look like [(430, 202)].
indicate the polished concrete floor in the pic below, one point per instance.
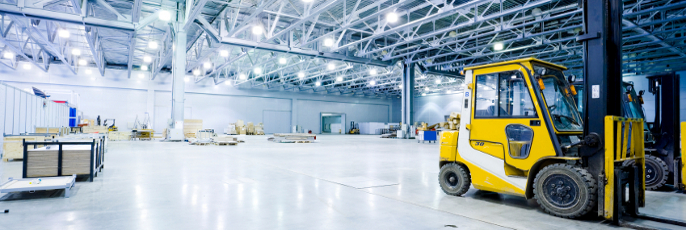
[(339, 182)]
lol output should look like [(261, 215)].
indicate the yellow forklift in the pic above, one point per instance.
[(522, 134)]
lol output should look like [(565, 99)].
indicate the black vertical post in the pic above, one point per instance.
[(602, 82), (602, 74), (26, 158), (92, 160), (59, 159)]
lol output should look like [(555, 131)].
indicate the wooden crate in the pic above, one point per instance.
[(95, 129), (47, 130), (191, 126), (12, 147), (43, 161), (119, 136)]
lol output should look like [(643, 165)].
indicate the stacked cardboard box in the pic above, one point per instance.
[(119, 136), (259, 129)]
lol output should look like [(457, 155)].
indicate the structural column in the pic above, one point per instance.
[(408, 94), (179, 73)]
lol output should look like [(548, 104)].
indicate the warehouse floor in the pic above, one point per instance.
[(339, 182)]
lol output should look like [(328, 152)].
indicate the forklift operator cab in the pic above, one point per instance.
[(519, 136)]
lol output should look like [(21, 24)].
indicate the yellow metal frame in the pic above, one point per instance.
[(618, 150), (683, 158)]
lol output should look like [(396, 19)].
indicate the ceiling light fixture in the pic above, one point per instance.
[(372, 82), (257, 70), (164, 15), (282, 61), (400, 87), (75, 52), (196, 72), (328, 42), (423, 94), (152, 45), (242, 76), (63, 33), (207, 65), (372, 72), (257, 30), (224, 53), (339, 79), (308, 1), (301, 75), (318, 83), (83, 62), (88, 71), (26, 66), (498, 46), (227, 82), (186, 79), (392, 17), (330, 66), (147, 59), (438, 81), (8, 55), (144, 67)]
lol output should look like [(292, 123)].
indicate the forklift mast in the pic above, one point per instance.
[(665, 127)]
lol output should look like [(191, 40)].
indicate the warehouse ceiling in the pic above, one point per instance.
[(348, 47)]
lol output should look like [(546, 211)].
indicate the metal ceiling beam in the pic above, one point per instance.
[(96, 49), (65, 17), (41, 41), (652, 37), (136, 11), (248, 20), (112, 9), (307, 53), (132, 48), (193, 12), (314, 13)]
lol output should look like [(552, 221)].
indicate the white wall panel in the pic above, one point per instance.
[(309, 113), (276, 121), (432, 109)]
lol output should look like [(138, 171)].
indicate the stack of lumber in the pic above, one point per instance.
[(95, 129), (224, 140), (191, 126), (119, 136), (12, 147), (48, 130), (44, 161)]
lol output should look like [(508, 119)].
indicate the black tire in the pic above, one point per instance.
[(565, 191), (454, 179), (657, 172)]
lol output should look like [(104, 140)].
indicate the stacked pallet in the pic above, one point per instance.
[(119, 136), (12, 147), (95, 129), (43, 161), (191, 126), (225, 140), (47, 130)]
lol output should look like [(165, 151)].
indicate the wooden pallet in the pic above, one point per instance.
[(201, 143), (226, 143), (12, 159)]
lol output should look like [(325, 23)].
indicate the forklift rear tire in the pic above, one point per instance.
[(657, 172), (565, 191), (454, 179)]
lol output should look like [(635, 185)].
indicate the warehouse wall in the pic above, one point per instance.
[(116, 96), (433, 108)]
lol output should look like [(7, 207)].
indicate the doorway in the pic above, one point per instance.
[(332, 123)]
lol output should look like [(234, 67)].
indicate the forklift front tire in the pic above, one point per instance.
[(454, 179), (564, 190)]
